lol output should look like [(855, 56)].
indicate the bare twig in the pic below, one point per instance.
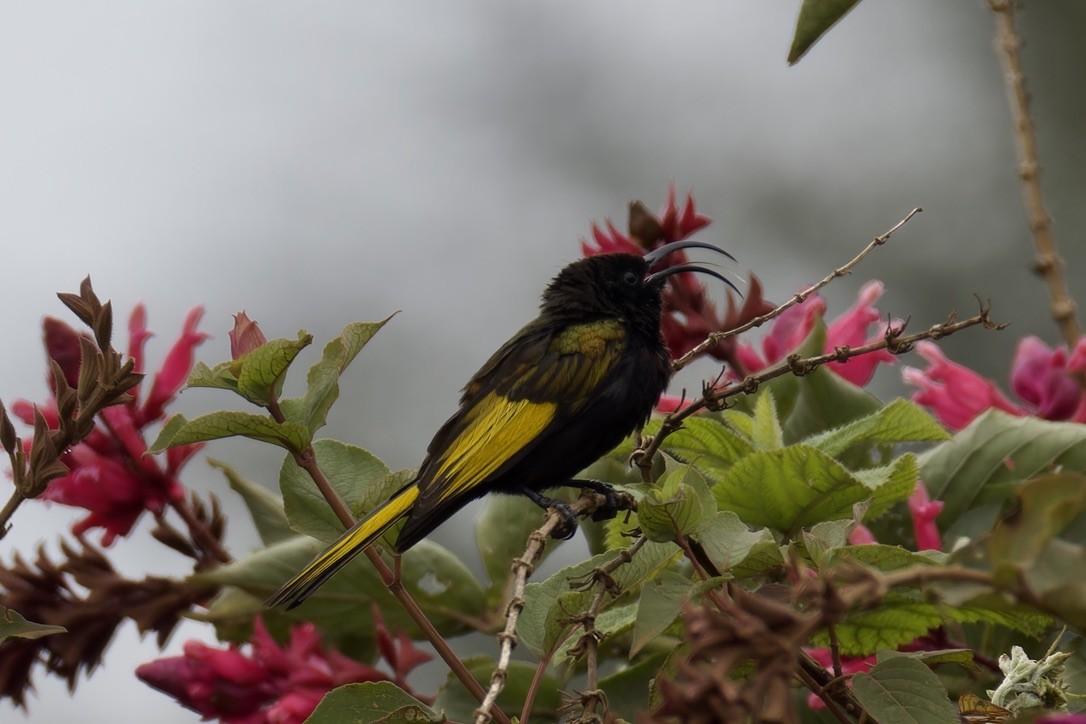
[(307, 461), (894, 340), (798, 298), (522, 568), (1047, 263)]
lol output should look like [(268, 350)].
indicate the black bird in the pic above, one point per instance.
[(566, 389)]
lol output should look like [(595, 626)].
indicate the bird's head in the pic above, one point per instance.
[(621, 285)]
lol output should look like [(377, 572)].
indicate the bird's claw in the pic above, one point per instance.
[(567, 526)]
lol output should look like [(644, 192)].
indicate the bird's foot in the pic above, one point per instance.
[(567, 526), (614, 501)]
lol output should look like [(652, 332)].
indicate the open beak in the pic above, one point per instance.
[(656, 255)]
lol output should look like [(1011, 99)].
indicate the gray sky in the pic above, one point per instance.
[(327, 162)]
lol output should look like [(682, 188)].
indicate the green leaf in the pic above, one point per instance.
[(766, 434), (884, 557), (443, 587), (984, 463), (898, 422), (460, 706), (681, 505), (661, 601), (264, 506), (824, 537), (230, 423), (12, 624), (1046, 505), (763, 556), (959, 657), (708, 443), (261, 371), (545, 614), (902, 690), (815, 19), (362, 481), (798, 486), (221, 377), (628, 688), (322, 382), (728, 541), (501, 535), (371, 702)]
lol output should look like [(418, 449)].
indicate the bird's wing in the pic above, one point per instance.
[(536, 380)]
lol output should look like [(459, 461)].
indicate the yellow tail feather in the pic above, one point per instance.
[(349, 545)]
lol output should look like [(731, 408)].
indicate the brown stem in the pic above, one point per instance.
[(307, 460), (10, 507), (1047, 263)]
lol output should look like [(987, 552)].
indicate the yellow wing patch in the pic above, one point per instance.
[(592, 339), (496, 430)]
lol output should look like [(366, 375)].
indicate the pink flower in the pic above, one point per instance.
[(848, 330), (270, 684), (851, 329), (245, 336), (861, 535), (1042, 377), (956, 394), (924, 512), (111, 476)]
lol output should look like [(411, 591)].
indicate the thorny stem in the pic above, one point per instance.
[(590, 639), (307, 461), (893, 341), (522, 568), (1047, 264), (835, 650), (716, 337)]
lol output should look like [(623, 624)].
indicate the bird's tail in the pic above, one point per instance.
[(349, 545)]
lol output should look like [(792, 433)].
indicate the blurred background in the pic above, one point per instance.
[(320, 163)]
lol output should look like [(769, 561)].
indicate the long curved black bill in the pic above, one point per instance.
[(689, 267), (654, 256)]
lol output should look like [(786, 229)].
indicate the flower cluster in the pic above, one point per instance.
[(110, 475), (272, 683), (1045, 381)]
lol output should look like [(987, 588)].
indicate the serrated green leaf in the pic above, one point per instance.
[(763, 556), (322, 381), (229, 423), (894, 482), (540, 626), (444, 588), (799, 486), (766, 432), (884, 557), (12, 624), (501, 535), (265, 507), (815, 19), (362, 481), (898, 422), (371, 702), (986, 461), (728, 541), (681, 505), (902, 690), (708, 443), (261, 371), (660, 603), (460, 706), (823, 537)]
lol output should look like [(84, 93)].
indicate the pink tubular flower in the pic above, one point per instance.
[(924, 512), (956, 394), (848, 330), (851, 329), (1042, 377), (110, 474), (271, 684)]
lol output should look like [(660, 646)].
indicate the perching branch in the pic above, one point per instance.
[(1047, 264), (308, 461), (894, 340), (716, 337), (522, 568)]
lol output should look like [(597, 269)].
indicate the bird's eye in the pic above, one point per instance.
[(630, 278)]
